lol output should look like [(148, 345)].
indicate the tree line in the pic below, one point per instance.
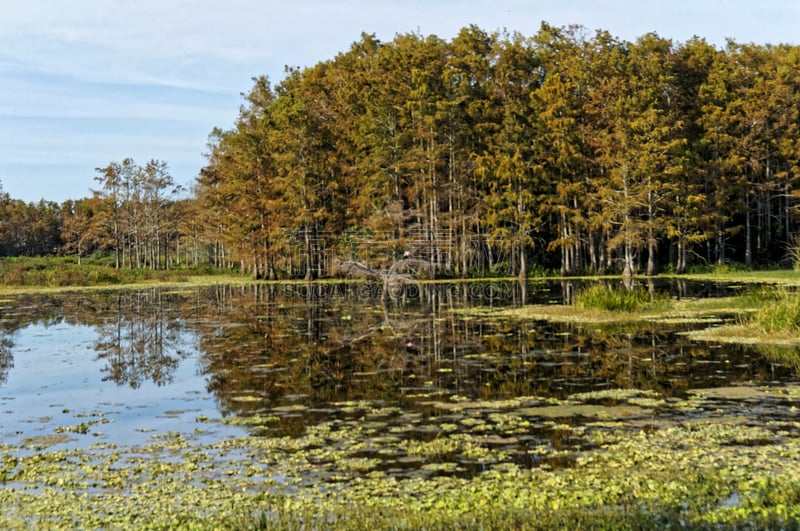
[(576, 151), (567, 150), (138, 216)]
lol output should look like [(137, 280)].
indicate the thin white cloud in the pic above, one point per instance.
[(207, 43)]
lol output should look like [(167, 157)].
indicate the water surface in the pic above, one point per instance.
[(125, 367)]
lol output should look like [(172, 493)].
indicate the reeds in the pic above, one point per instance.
[(606, 298), (778, 311)]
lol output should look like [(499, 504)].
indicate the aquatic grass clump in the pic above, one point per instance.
[(606, 298), (783, 354), (757, 297), (779, 312)]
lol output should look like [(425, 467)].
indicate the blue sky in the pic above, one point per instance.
[(87, 82)]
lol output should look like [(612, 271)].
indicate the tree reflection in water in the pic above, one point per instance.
[(266, 346), (273, 346), (140, 337), (6, 359)]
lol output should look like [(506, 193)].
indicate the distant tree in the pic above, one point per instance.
[(76, 227), (558, 102), (510, 167)]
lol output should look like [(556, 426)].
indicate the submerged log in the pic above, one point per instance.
[(413, 268)]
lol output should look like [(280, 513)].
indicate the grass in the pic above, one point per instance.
[(58, 273), (764, 316), (605, 298), (778, 313), (685, 310), (784, 277), (784, 355)]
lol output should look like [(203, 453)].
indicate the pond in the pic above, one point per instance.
[(123, 366), (413, 386)]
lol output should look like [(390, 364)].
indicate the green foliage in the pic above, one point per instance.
[(719, 269), (668, 269), (499, 270), (539, 271), (606, 298), (779, 311)]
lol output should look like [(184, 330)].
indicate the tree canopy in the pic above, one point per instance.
[(566, 149)]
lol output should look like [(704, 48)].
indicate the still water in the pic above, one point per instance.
[(123, 367)]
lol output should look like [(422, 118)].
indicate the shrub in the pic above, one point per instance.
[(538, 270), (499, 270), (67, 276), (719, 269)]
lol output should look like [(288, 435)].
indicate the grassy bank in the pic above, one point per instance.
[(785, 277), (64, 271), (43, 273), (765, 316)]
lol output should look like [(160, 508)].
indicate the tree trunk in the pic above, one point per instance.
[(748, 245), (309, 275), (680, 263), (651, 253)]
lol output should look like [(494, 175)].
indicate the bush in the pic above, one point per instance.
[(68, 276), (499, 270), (538, 270), (716, 269)]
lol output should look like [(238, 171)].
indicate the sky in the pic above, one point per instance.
[(84, 83)]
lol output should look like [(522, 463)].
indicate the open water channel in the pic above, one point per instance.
[(215, 363)]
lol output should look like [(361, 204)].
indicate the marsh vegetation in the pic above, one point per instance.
[(68, 272)]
